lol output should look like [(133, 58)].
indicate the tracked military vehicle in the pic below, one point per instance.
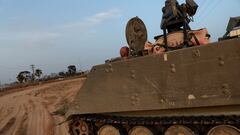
[(233, 29), (179, 85)]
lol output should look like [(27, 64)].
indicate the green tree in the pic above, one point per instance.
[(20, 78), (62, 73), (72, 69), (38, 73), (24, 76)]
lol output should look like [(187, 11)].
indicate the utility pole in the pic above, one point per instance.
[(33, 71), (0, 85), (80, 65)]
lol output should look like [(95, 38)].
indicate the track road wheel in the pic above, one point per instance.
[(179, 130), (109, 130), (80, 128), (140, 130), (224, 130)]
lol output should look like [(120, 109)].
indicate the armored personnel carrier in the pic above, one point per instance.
[(233, 29), (179, 85)]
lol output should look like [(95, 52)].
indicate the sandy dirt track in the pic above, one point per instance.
[(31, 111)]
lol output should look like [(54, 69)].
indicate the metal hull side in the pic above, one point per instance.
[(186, 112), (194, 77)]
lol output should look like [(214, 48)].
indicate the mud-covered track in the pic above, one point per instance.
[(197, 125)]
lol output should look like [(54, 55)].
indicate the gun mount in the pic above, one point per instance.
[(176, 31), (177, 17)]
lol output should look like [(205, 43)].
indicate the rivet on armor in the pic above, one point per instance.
[(196, 53), (226, 92), (220, 58), (106, 70), (173, 69), (137, 99), (165, 57), (77, 107), (133, 76), (172, 65), (133, 97), (162, 101), (221, 63), (133, 103), (172, 103), (191, 97), (225, 86)]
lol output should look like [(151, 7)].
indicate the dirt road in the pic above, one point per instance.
[(33, 110)]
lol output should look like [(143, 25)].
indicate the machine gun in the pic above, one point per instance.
[(177, 17)]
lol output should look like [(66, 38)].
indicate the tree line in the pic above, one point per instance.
[(27, 76)]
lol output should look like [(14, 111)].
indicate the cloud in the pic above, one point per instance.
[(34, 36), (29, 38), (30, 35), (94, 20)]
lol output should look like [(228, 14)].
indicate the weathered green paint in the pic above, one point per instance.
[(197, 77)]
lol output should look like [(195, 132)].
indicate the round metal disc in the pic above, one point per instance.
[(224, 130), (179, 130), (80, 128), (136, 34), (140, 130), (108, 130)]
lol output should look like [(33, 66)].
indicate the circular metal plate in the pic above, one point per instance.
[(136, 34), (108, 130), (224, 130), (179, 130), (80, 128), (140, 130)]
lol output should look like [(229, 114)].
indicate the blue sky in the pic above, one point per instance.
[(55, 33)]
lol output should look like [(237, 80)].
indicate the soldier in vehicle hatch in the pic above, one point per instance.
[(175, 16), (171, 19)]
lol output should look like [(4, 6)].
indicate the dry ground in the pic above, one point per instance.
[(32, 111)]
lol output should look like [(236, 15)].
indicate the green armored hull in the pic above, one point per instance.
[(188, 91)]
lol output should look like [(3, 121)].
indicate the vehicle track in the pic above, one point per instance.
[(31, 111), (181, 125)]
